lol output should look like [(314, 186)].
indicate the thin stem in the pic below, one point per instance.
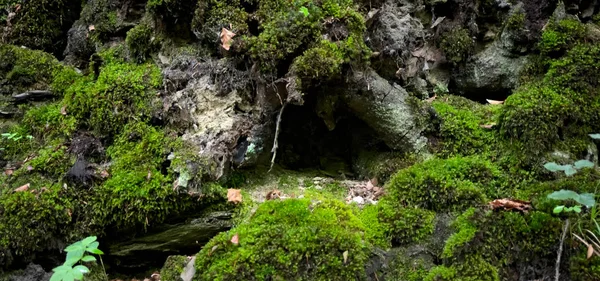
[(560, 249), (104, 269)]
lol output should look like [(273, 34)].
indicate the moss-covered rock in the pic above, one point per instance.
[(450, 184), (457, 45), (141, 42), (289, 240), (42, 24), (561, 36), (173, 268)]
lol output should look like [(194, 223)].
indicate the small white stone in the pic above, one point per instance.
[(359, 200)]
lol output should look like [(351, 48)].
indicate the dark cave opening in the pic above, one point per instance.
[(306, 142)]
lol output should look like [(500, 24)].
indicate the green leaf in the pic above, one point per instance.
[(563, 195), (586, 199), (569, 171), (304, 11), (57, 276), (553, 167), (62, 268), (558, 209), (82, 268), (577, 209), (95, 251), (76, 274), (88, 240), (595, 136), (74, 246), (93, 245), (6, 135), (584, 164), (88, 258), (74, 256)]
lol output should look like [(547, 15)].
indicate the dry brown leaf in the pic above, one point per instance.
[(234, 195), (226, 38), (345, 255), (273, 194), (590, 251), (91, 28), (235, 239), (24, 187), (104, 174), (374, 181), (69, 212), (431, 99), (511, 204), (8, 172), (495, 101), (149, 176), (63, 110)]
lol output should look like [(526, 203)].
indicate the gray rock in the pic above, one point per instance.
[(32, 272), (492, 72), (388, 109), (79, 46), (171, 239)]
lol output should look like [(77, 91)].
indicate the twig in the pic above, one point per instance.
[(560, 249), (275, 142)]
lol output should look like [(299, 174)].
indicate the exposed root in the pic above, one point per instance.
[(560, 249), (275, 142)]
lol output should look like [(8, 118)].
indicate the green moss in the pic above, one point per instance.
[(382, 165), (560, 36), (450, 184), (473, 268), (405, 225), (102, 14), (141, 42), (43, 24), (289, 240), (583, 268), (23, 69), (324, 60), (460, 130), (375, 231), (516, 21), (173, 268), (122, 92), (466, 231), (47, 122), (457, 45), (213, 15)]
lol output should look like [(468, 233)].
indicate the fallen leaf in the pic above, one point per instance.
[(234, 195), (149, 176), (155, 276), (273, 194), (235, 239), (431, 99), (438, 21), (91, 28), (63, 110), (511, 204), (104, 174), (590, 251), (69, 212), (495, 101), (488, 126), (22, 188), (345, 255), (8, 172), (213, 249), (226, 38)]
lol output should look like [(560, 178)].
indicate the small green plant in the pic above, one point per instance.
[(15, 136), (569, 169), (585, 199), (76, 253), (304, 11)]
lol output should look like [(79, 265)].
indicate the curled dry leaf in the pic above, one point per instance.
[(495, 101), (22, 188), (345, 255), (63, 110), (213, 249), (235, 239), (511, 204), (274, 194), (590, 251), (431, 99), (234, 195), (91, 28), (8, 172), (226, 38)]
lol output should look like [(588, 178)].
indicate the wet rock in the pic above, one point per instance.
[(79, 46), (33, 96), (32, 272), (388, 109), (167, 239)]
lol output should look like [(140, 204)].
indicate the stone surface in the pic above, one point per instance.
[(388, 109), (33, 272)]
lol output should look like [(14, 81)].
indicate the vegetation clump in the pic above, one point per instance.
[(457, 45), (294, 239)]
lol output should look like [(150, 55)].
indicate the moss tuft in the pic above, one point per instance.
[(173, 268), (457, 45), (289, 240), (141, 42), (561, 36), (405, 225)]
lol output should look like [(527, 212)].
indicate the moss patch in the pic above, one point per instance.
[(289, 240)]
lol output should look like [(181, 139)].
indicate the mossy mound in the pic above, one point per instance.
[(294, 239)]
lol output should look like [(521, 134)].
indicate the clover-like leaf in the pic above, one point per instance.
[(577, 209), (87, 241), (595, 136), (553, 167), (586, 199), (88, 258), (570, 170), (558, 209), (583, 164), (563, 194)]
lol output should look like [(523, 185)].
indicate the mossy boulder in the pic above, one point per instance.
[(41, 24), (457, 45), (294, 239)]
